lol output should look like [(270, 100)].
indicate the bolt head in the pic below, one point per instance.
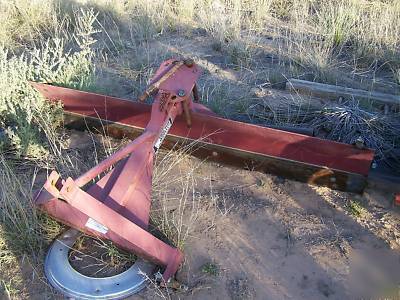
[(158, 276), (188, 62), (181, 93), (360, 143)]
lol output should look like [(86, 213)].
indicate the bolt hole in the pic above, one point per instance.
[(117, 283), (60, 249), (97, 291)]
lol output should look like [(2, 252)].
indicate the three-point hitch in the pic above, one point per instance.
[(117, 206)]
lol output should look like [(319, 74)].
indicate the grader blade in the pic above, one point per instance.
[(117, 206)]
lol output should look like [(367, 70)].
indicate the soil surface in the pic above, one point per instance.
[(97, 258), (271, 238)]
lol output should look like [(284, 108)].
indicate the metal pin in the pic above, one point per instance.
[(181, 93)]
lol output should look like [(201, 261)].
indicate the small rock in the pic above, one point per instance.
[(387, 226), (259, 92)]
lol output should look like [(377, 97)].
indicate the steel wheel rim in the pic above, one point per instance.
[(63, 277)]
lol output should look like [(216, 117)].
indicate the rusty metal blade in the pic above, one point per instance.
[(295, 156)]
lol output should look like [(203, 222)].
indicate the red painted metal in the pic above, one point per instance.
[(218, 131), (397, 199), (117, 206)]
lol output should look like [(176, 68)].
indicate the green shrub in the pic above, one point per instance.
[(355, 208), (25, 116)]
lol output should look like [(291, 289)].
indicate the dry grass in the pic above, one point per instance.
[(99, 258), (177, 205), (24, 232), (78, 43), (311, 33)]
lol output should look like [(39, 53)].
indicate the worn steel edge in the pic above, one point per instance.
[(344, 167)]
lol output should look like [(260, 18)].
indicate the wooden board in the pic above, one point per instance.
[(334, 92)]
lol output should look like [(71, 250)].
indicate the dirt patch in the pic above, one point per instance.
[(240, 288), (276, 239), (98, 258)]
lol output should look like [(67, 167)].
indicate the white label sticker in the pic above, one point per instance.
[(163, 134), (93, 224)]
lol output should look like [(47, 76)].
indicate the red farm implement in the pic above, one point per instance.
[(117, 206)]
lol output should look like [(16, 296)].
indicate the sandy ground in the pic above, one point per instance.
[(271, 238)]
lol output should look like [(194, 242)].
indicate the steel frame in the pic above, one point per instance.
[(117, 206)]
